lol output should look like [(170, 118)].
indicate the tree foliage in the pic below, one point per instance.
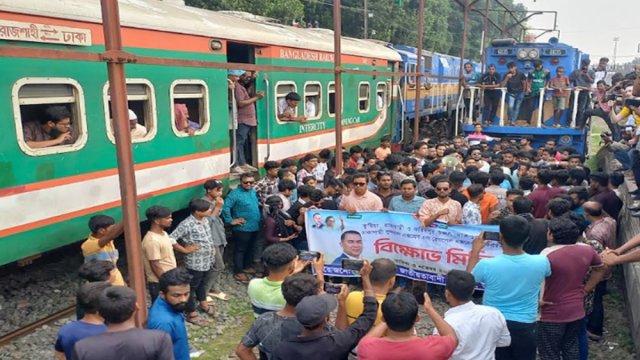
[(394, 21)]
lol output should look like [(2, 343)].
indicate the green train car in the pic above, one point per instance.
[(48, 194)]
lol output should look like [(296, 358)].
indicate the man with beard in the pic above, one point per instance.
[(166, 313), (385, 191)]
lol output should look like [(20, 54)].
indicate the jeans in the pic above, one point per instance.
[(242, 249), (523, 342), (582, 121), (491, 104), (198, 289), (584, 98), (514, 101), (595, 322), (583, 340), (242, 139), (624, 158), (218, 266)]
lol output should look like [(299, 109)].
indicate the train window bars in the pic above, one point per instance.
[(381, 95), (331, 99), (142, 102), (282, 89), (364, 97), (189, 107), (312, 100), (34, 99)]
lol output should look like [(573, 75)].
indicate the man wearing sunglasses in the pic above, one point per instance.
[(360, 199), (442, 208)]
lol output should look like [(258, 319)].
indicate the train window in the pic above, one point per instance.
[(50, 115), (142, 103), (312, 100), (381, 96), (411, 68), (282, 89), (364, 94), (189, 107), (331, 99)]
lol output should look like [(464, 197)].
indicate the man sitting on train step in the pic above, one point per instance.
[(287, 108), (51, 130)]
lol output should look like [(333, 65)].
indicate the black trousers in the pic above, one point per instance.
[(491, 104), (523, 342), (595, 320), (243, 249), (198, 289), (154, 290), (559, 340)]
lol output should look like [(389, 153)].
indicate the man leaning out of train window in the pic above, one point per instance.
[(287, 108), (53, 129)]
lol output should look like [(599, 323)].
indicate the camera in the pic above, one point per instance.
[(352, 264), (309, 255)]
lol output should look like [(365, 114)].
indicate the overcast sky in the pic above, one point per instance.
[(591, 25)]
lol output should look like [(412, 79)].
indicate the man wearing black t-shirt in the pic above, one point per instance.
[(516, 84), (123, 341), (490, 82)]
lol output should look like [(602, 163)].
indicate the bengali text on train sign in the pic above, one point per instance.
[(25, 31)]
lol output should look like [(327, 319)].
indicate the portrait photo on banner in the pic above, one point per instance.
[(420, 253)]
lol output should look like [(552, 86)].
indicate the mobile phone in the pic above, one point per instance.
[(632, 102), (491, 235), (352, 264), (309, 255), (331, 288)]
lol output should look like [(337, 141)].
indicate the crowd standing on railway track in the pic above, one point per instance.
[(557, 221)]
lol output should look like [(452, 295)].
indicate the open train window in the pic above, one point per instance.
[(411, 68), (381, 96), (49, 114), (189, 107), (331, 99), (312, 100), (364, 96), (282, 89), (141, 101)]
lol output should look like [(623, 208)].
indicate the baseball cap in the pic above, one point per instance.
[(312, 310), (132, 115), (235, 72)]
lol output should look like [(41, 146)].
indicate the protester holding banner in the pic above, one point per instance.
[(442, 208), (512, 283), (408, 202)]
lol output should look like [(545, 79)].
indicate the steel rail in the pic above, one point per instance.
[(7, 338)]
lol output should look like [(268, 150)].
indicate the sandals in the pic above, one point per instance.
[(219, 295), (209, 310), (197, 320), (241, 277)]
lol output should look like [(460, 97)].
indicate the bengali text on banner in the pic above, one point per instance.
[(420, 253)]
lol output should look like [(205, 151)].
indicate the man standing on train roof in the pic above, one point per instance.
[(469, 79), (246, 120), (53, 129), (287, 108), (490, 82), (583, 78), (516, 84)]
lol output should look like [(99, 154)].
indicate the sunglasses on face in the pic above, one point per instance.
[(359, 184), (248, 182)]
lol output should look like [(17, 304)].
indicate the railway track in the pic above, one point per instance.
[(7, 338)]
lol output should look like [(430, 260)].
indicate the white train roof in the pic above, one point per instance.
[(177, 18)]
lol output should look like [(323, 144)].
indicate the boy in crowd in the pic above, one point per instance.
[(99, 245), (214, 196), (91, 323), (157, 248)]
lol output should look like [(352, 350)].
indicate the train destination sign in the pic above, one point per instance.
[(42, 33)]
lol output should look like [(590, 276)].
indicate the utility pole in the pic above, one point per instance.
[(615, 51), (366, 20)]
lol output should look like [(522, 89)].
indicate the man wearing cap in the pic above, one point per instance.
[(246, 119), (316, 342), (287, 108), (138, 131)]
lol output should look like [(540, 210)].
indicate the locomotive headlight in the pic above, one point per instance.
[(522, 54), (533, 54)]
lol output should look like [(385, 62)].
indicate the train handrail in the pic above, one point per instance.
[(458, 112), (502, 105), (576, 94), (268, 110), (540, 107), (472, 102), (234, 125), (402, 113)]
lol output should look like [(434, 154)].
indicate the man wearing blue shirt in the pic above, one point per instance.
[(167, 312), (512, 283), (241, 211), (408, 202)]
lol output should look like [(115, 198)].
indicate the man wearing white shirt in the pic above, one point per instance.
[(480, 329)]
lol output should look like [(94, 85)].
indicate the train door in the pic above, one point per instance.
[(244, 54)]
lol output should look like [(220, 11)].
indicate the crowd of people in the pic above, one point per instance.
[(543, 295)]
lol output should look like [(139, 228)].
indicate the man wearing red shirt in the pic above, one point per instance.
[(543, 193)]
